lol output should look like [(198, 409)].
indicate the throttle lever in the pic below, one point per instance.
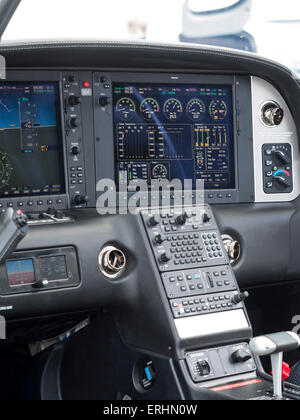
[(13, 228)]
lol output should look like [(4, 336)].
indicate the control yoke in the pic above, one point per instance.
[(275, 345), (13, 228)]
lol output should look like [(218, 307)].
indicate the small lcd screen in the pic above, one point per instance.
[(53, 268), (31, 160), (20, 272), (174, 132)]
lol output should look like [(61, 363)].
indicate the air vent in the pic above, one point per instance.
[(232, 247), (271, 114), (112, 262)]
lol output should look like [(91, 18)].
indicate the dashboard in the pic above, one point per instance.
[(81, 120), (65, 129)]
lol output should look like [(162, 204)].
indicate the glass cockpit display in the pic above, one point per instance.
[(174, 132), (30, 147)]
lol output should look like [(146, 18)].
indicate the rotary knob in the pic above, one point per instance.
[(75, 150), (79, 199), (159, 239), (181, 220), (75, 122), (282, 181), (103, 101), (240, 356), (165, 257), (154, 221), (206, 218), (282, 157), (74, 100)]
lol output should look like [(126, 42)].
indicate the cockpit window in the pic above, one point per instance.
[(267, 27)]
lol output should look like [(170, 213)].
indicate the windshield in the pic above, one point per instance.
[(267, 27)]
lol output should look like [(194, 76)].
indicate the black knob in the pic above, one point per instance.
[(154, 221), (72, 79), (74, 100), (240, 298), (103, 101), (80, 199), (75, 122), (75, 150), (181, 220), (240, 356), (206, 218), (165, 257), (282, 157), (282, 181), (159, 239), (21, 219)]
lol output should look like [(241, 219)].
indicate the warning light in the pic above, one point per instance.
[(86, 84)]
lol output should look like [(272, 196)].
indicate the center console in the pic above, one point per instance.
[(202, 292)]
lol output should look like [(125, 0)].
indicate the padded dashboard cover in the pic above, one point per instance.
[(120, 55)]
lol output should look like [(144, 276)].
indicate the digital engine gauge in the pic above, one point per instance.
[(126, 108), (218, 109), (149, 107), (173, 109), (159, 171), (196, 109)]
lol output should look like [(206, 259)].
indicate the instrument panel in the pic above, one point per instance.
[(63, 132)]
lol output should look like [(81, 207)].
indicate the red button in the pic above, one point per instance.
[(86, 84)]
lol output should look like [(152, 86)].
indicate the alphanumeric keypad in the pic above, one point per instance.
[(200, 305)]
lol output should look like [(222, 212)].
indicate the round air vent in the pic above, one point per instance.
[(271, 114), (232, 247), (112, 262)]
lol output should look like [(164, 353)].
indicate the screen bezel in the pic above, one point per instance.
[(14, 78), (233, 173), (243, 128)]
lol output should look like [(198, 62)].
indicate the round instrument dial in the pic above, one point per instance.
[(159, 172), (173, 109), (5, 169), (149, 107), (126, 108), (195, 109), (218, 109)]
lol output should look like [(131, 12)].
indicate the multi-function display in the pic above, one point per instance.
[(30, 150), (174, 132)]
